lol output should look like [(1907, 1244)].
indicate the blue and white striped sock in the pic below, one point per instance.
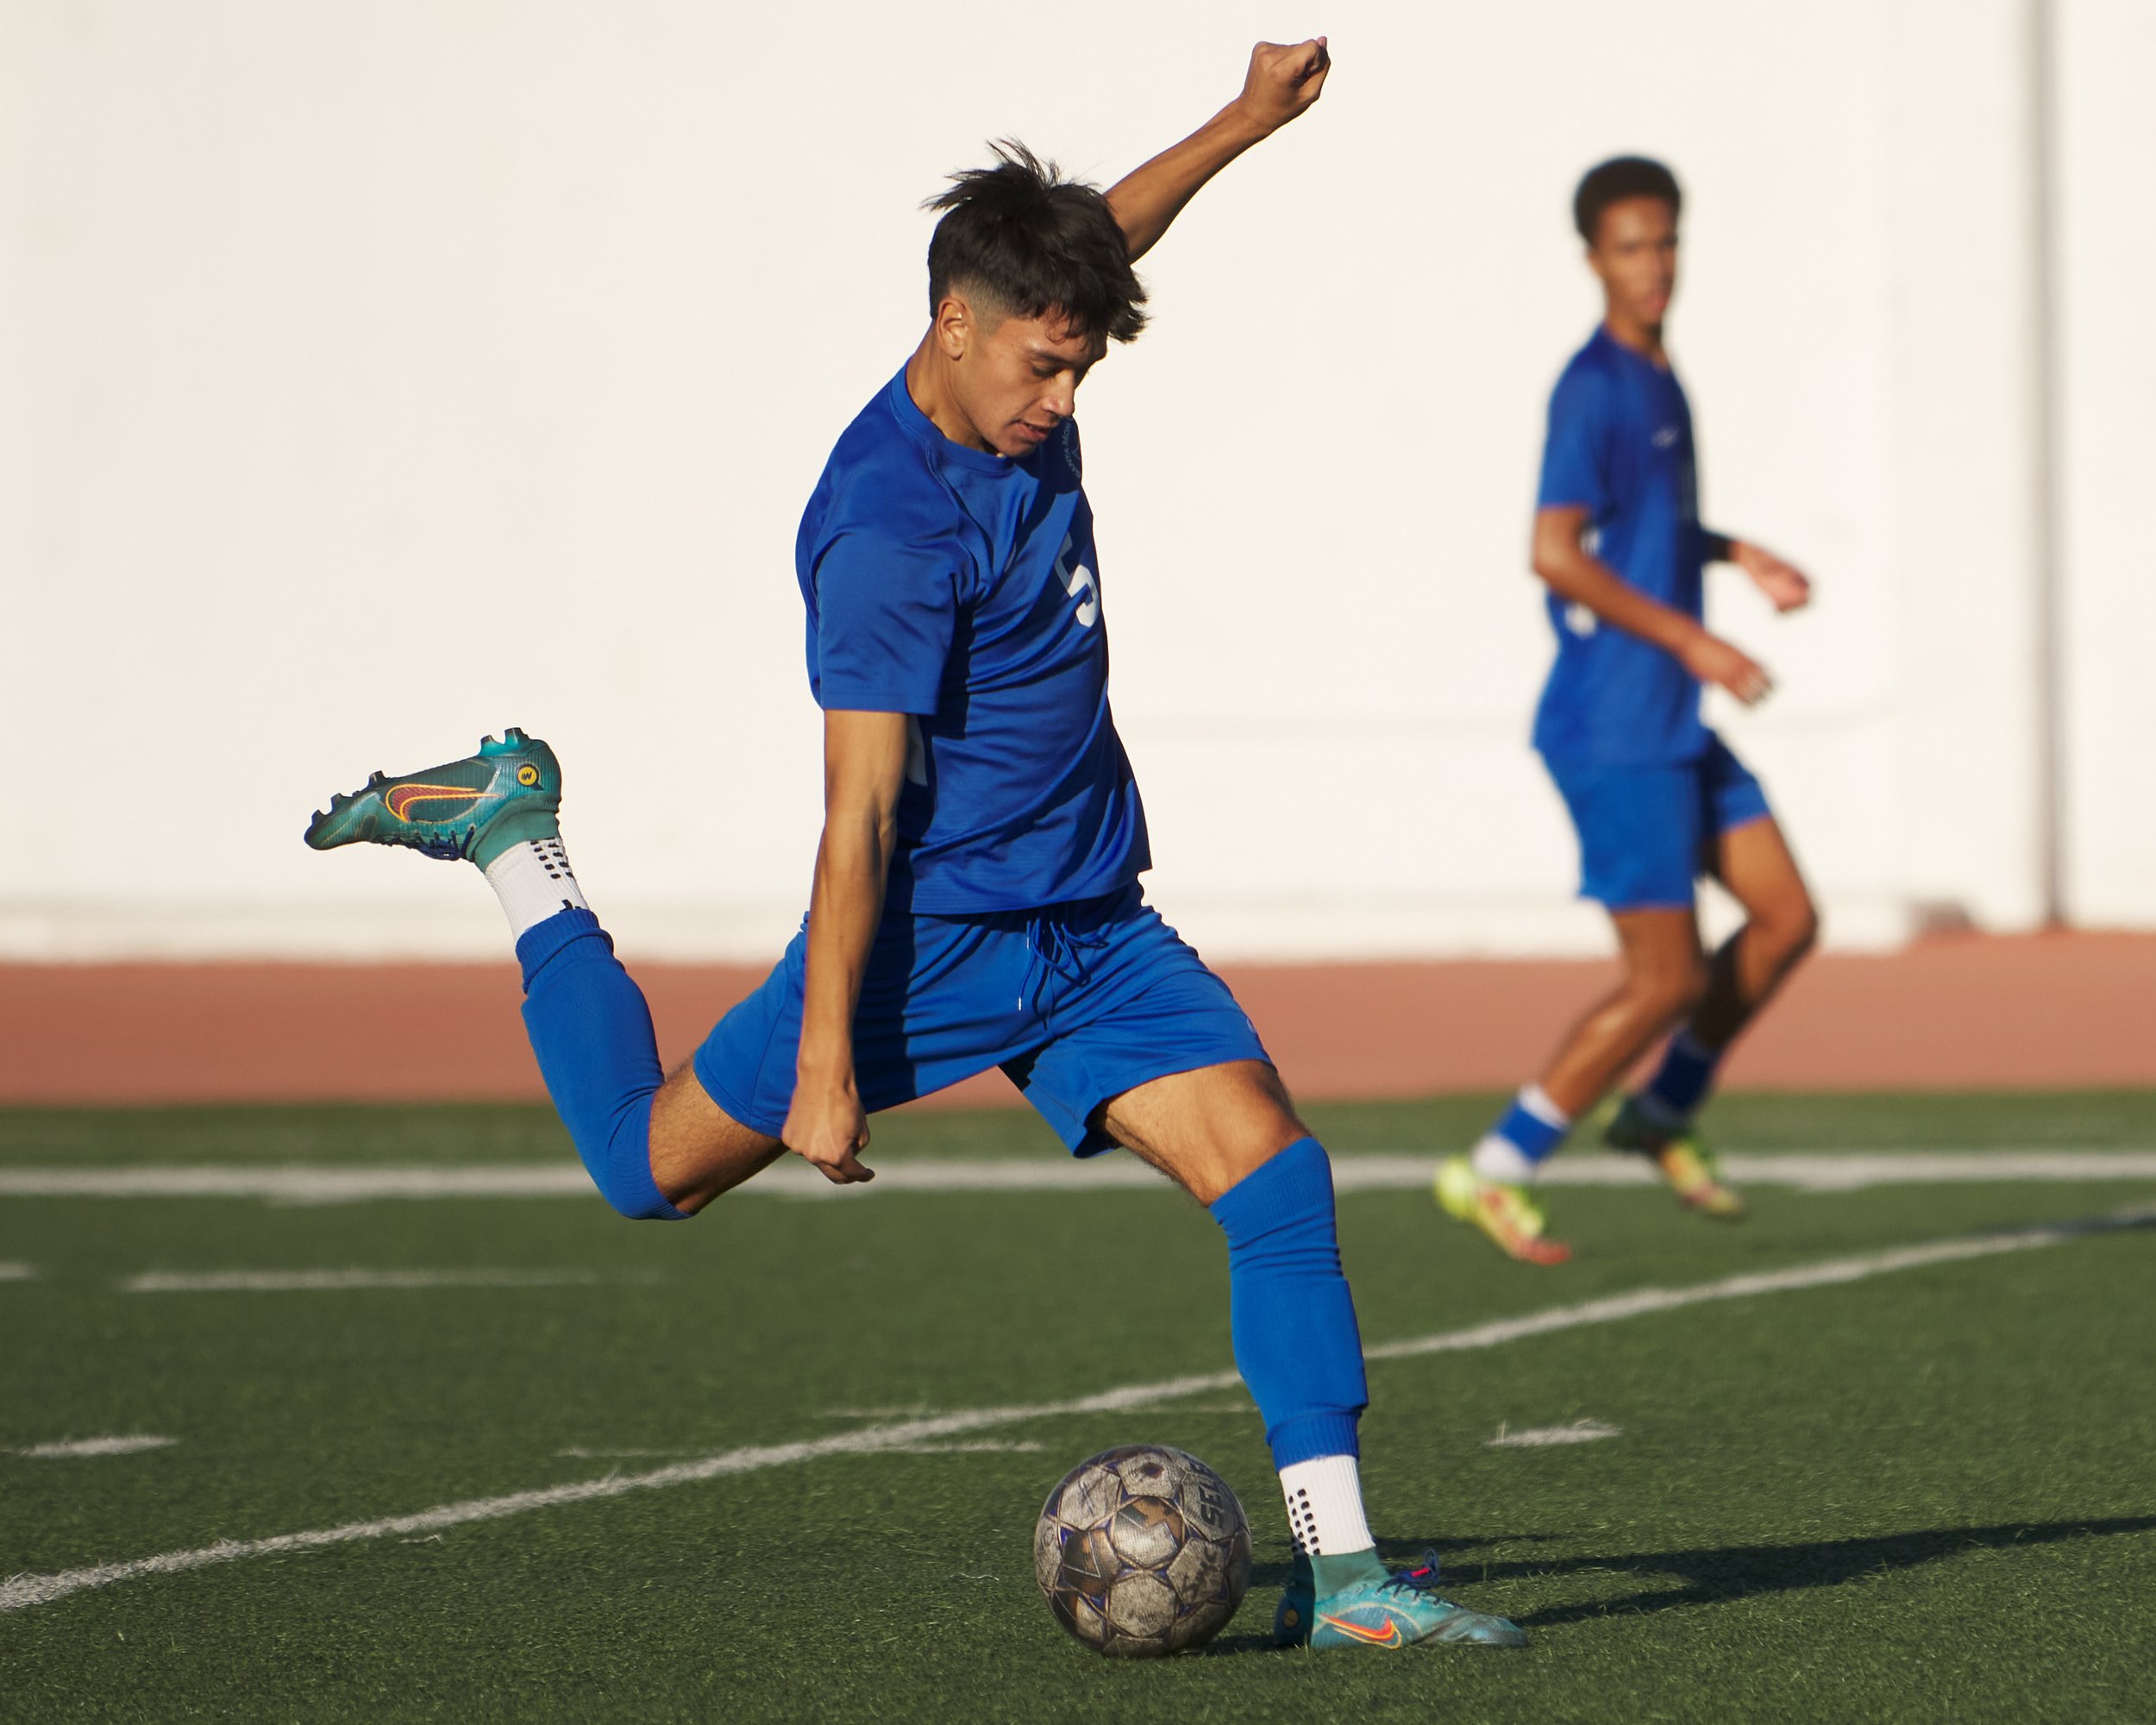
[(1526, 1136)]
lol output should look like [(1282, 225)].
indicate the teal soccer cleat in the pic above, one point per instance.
[(1387, 1611), (1291, 1617), (472, 809)]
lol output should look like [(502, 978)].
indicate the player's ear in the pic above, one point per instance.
[(954, 326)]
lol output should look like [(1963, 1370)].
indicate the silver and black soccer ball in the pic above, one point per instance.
[(1143, 1552)]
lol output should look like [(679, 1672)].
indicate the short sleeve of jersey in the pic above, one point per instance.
[(886, 612), (1575, 464)]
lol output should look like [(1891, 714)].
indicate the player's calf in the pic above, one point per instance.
[(500, 809), (1300, 1351)]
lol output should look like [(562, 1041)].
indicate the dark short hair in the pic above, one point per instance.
[(1023, 235), (1616, 179)]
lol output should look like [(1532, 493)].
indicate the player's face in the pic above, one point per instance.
[(1017, 382), (1635, 254)]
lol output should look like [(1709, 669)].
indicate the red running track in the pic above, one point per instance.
[(2050, 1011)]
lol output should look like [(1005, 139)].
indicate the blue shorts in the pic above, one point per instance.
[(1647, 833), (1077, 1003)]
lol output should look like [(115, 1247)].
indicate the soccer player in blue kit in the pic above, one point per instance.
[(975, 899), (1656, 798)]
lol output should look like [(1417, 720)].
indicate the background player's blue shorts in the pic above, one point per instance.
[(1647, 833), (1077, 1003)]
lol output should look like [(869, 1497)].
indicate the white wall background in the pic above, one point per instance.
[(375, 375)]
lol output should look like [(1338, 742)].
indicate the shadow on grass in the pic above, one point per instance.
[(1714, 1577)]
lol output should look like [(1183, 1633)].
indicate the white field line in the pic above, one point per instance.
[(1544, 1437), (1840, 1171), (20, 1591), (17, 1272), (336, 1280), (96, 1447)]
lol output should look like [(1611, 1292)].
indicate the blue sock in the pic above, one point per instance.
[(1292, 1317), (1681, 1083), (591, 1031), (1527, 1126)]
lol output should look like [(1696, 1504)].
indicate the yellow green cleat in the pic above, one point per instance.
[(1686, 1163), (1512, 1219)]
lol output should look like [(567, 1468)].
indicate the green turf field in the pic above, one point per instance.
[(1923, 1495)]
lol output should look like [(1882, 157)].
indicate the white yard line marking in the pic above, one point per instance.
[(578, 1454), (1542, 1437), (96, 1447), (336, 1280), (979, 1446), (1839, 1171), (17, 1272), (18, 1592), (911, 1411)]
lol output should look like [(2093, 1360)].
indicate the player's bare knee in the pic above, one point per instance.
[(1787, 931), (1676, 993), (1666, 993), (1803, 932)]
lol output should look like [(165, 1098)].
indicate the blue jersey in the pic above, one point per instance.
[(961, 587), (1621, 446)]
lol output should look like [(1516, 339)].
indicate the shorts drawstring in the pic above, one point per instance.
[(1055, 948)]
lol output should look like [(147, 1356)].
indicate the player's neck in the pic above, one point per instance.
[(1643, 339), (928, 381)]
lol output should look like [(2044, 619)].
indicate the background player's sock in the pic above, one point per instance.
[(1296, 1342), (1680, 1083), (592, 1032), (1526, 1135), (532, 880)]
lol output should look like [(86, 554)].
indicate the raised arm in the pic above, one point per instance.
[(1579, 577), (864, 763), (1281, 82)]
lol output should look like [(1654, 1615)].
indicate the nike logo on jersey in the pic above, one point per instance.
[(1666, 437)]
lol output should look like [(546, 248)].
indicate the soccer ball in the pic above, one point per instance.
[(1142, 1551)]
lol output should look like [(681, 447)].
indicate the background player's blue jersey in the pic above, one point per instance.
[(1621, 446), (963, 589)]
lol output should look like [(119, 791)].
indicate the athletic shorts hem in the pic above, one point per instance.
[(742, 1113), (1086, 1139)]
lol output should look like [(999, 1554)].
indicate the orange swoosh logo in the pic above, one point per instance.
[(402, 798), (1387, 1637)]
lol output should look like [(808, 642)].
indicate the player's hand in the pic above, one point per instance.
[(1786, 585), (1282, 81), (1713, 660), (825, 1127)]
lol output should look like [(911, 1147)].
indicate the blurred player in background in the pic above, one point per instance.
[(1656, 798), (976, 900)]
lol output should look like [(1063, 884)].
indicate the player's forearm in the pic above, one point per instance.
[(1282, 81), (1148, 199), (852, 871), (1578, 578)]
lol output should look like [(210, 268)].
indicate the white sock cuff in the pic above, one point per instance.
[(533, 881), (1500, 1159), (1324, 1505), (1536, 1100)]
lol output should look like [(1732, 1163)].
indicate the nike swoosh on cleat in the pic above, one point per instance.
[(1389, 1637), (403, 797)]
